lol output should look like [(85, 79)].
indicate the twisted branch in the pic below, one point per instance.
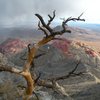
[(31, 80)]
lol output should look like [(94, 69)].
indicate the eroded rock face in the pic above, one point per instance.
[(9, 82), (59, 59), (12, 46), (62, 44), (3, 59), (78, 50)]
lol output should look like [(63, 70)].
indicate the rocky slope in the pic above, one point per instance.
[(60, 57), (12, 46), (81, 34), (9, 82), (52, 64)]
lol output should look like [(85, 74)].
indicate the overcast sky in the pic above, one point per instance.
[(20, 12)]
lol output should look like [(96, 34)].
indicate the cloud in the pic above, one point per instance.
[(18, 12)]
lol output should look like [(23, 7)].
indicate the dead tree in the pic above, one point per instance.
[(50, 34)]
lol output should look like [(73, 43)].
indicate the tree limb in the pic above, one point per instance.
[(32, 55), (43, 23), (10, 69), (43, 29), (51, 18), (53, 33)]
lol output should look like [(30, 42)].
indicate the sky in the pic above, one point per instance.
[(21, 12)]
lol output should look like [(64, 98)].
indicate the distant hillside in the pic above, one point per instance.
[(24, 33), (27, 33), (80, 33), (19, 32), (93, 27)]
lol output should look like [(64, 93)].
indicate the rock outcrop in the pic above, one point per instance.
[(12, 46), (59, 58)]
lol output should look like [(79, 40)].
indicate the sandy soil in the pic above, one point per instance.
[(95, 44)]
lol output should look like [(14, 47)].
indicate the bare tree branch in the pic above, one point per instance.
[(53, 33), (26, 73), (53, 85), (43, 23), (81, 15), (43, 29), (36, 80), (36, 95), (59, 89), (52, 82), (64, 23), (51, 18), (10, 69)]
